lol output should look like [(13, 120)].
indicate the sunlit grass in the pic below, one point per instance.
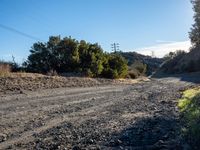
[(189, 106)]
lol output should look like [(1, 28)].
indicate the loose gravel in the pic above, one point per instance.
[(110, 116)]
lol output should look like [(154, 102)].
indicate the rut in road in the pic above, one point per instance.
[(129, 116)]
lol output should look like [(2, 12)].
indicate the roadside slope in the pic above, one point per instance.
[(15, 83)]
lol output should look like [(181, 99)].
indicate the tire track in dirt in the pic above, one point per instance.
[(30, 101), (93, 96), (53, 123), (137, 116)]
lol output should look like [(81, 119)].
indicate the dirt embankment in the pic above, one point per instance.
[(20, 82)]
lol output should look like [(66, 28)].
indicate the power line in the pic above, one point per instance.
[(19, 32), (115, 47)]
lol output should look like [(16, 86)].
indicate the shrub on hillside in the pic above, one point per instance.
[(137, 69), (142, 68), (190, 67), (133, 74), (172, 62)]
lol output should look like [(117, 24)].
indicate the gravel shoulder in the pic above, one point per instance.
[(108, 116)]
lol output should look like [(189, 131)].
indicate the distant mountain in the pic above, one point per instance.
[(152, 63)]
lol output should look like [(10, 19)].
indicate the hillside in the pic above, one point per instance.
[(191, 61), (183, 62), (152, 63)]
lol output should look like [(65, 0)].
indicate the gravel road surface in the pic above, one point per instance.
[(138, 116)]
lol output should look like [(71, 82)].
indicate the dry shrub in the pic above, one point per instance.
[(52, 73), (5, 69), (133, 74)]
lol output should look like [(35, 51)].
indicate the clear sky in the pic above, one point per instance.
[(140, 25)]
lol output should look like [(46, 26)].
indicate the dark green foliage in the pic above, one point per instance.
[(182, 62), (68, 55), (172, 61), (190, 67), (91, 59), (115, 66), (195, 31)]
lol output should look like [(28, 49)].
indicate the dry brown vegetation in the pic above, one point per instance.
[(5, 69), (21, 82)]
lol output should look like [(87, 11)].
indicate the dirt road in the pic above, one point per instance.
[(138, 116)]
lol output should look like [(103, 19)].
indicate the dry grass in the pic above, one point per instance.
[(24, 75), (18, 82), (5, 69)]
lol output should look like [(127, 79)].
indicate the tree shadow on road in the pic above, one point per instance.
[(188, 77), (148, 133)]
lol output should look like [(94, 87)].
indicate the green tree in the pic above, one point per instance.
[(91, 58), (84, 55), (115, 67), (96, 55), (195, 30), (38, 61), (52, 46), (69, 55)]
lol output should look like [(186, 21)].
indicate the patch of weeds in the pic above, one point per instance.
[(189, 106)]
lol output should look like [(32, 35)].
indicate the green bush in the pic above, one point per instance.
[(115, 67), (68, 55)]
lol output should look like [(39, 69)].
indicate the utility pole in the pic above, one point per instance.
[(115, 47), (152, 54)]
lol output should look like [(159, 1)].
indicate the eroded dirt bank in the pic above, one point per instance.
[(137, 116), (16, 83)]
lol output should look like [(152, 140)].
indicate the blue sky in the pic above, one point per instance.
[(138, 25)]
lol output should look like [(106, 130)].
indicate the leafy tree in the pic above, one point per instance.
[(38, 61), (52, 46), (96, 59), (84, 55), (91, 58), (69, 55), (195, 30)]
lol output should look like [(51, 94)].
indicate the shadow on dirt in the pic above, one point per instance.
[(188, 77), (148, 133)]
